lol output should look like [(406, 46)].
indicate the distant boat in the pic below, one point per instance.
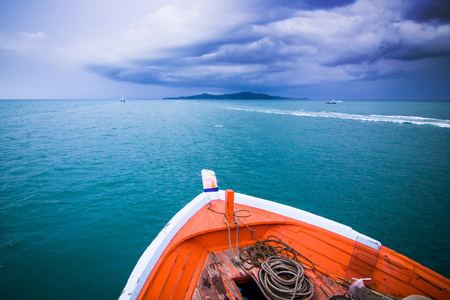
[(226, 245), (331, 102), (122, 100)]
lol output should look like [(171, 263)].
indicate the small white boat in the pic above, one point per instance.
[(122, 100)]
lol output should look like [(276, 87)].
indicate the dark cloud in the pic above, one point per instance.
[(417, 52), (327, 4), (357, 58), (398, 51), (302, 43), (276, 10), (307, 4), (264, 51), (180, 73), (429, 10)]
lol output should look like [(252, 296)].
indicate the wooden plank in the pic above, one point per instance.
[(324, 286), (216, 280), (160, 276), (193, 262), (362, 263), (205, 286), (228, 258), (176, 272), (217, 283), (192, 288), (197, 295)]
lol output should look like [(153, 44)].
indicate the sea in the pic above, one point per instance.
[(86, 185)]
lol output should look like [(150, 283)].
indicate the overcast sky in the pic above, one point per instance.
[(149, 49)]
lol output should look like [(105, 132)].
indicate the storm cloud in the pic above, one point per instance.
[(280, 44), (284, 47)]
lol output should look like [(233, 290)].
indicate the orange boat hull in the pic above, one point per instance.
[(189, 264)]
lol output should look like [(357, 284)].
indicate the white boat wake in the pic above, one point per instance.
[(346, 116)]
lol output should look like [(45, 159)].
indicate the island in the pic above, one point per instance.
[(236, 96)]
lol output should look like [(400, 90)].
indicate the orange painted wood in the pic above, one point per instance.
[(181, 266), (229, 211)]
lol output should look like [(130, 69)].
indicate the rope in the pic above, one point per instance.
[(229, 235), (281, 274), (283, 278), (249, 213), (272, 246), (236, 221)]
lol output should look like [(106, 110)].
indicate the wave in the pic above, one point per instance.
[(346, 116)]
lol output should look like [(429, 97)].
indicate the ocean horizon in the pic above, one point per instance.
[(86, 185)]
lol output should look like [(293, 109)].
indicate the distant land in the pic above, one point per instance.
[(241, 95)]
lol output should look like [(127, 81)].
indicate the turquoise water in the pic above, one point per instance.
[(87, 185)]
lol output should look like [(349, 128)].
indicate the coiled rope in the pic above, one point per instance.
[(283, 278), (281, 274)]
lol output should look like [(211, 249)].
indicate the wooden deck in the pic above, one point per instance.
[(221, 276)]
